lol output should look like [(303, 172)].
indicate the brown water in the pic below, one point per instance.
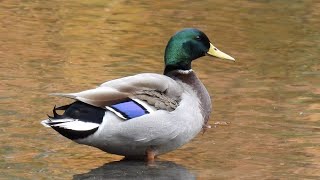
[(270, 95)]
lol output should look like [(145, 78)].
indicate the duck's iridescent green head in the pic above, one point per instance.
[(186, 46)]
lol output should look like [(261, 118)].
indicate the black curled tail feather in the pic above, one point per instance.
[(55, 114), (80, 111), (75, 113)]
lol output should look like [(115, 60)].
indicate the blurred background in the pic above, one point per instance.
[(266, 113)]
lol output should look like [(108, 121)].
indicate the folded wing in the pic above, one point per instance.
[(116, 91)]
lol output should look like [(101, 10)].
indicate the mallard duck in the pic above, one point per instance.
[(144, 115)]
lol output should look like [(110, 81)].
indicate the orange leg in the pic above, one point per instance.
[(150, 155)]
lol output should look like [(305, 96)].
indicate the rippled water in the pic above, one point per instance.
[(269, 97)]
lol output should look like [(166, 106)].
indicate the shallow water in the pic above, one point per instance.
[(267, 102)]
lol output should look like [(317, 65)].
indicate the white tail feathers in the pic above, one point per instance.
[(71, 124)]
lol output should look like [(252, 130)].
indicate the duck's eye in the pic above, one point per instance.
[(198, 38)]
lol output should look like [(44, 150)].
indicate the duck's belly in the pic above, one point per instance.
[(161, 131)]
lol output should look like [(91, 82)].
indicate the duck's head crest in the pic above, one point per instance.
[(188, 45)]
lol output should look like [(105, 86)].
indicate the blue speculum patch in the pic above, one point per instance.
[(130, 109)]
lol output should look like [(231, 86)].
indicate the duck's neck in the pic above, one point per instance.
[(173, 69), (186, 76), (190, 78)]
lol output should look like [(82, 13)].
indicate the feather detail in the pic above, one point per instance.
[(76, 125), (158, 99), (130, 108), (116, 113)]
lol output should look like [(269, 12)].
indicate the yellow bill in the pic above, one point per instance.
[(213, 51)]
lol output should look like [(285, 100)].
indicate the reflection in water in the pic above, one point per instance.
[(138, 170)]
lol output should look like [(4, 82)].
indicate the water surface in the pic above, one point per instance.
[(269, 97)]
